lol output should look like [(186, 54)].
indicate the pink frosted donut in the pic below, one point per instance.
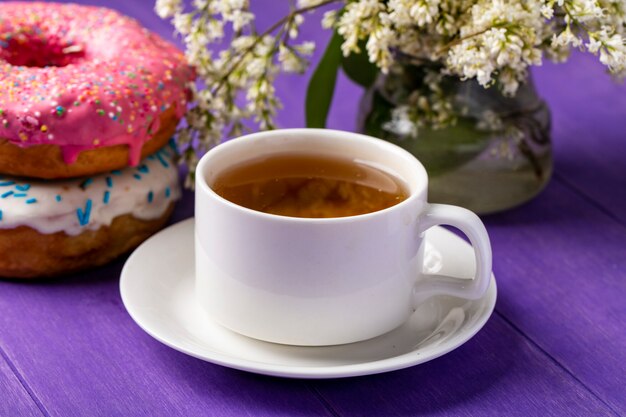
[(84, 88)]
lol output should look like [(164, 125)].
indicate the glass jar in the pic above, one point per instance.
[(495, 156)]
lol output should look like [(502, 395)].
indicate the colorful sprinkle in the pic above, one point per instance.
[(31, 201), (22, 187), (150, 197), (168, 192), (137, 177), (7, 194), (86, 183), (83, 215), (6, 183), (106, 197), (109, 181), (162, 160), (20, 195), (58, 198)]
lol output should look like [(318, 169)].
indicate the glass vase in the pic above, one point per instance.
[(495, 156)]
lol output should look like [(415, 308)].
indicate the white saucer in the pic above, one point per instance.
[(157, 289)]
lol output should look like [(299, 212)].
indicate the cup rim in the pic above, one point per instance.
[(201, 182)]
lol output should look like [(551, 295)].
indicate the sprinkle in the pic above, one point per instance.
[(116, 172), (22, 187), (0, 214), (105, 199), (109, 181), (83, 215), (172, 144), (168, 192), (100, 112), (162, 160), (5, 183), (31, 201), (150, 197), (58, 197), (59, 110), (86, 183), (23, 136), (8, 193), (137, 177), (143, 168), (19, 195), (43, 128)]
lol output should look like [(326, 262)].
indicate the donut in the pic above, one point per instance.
[(53, 227), (83, 90)]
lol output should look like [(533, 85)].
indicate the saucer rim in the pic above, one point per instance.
[(402, 361)]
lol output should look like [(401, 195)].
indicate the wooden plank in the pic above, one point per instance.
[(81, 354), (497, 373), (14, 398), (589, 129), (561, 266)]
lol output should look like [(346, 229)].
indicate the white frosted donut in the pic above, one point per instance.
[(53, 227)]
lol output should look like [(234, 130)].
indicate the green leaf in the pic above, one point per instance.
[(358, 67), (319, 94)]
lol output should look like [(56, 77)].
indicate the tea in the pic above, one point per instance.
[(305, 185)]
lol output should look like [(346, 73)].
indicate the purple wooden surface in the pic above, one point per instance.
[(589, 119), (14, 399), (556, 344)]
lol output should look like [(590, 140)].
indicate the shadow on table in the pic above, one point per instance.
[(484, 366)]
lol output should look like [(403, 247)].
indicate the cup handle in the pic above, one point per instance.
[(471, 225)]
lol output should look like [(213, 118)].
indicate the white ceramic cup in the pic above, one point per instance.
[(311, 281)]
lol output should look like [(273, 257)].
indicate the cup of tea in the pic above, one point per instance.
[(316, 237)]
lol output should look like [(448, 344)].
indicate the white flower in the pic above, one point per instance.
[(183, 23), (167, 8), (493, 42), (547, 11)]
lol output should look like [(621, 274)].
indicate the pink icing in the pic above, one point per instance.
[(83, 77)]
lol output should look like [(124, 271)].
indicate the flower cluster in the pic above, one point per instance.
[(491, 41), (236, 67)]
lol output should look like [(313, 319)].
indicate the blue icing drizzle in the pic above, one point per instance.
[(83, 215)]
